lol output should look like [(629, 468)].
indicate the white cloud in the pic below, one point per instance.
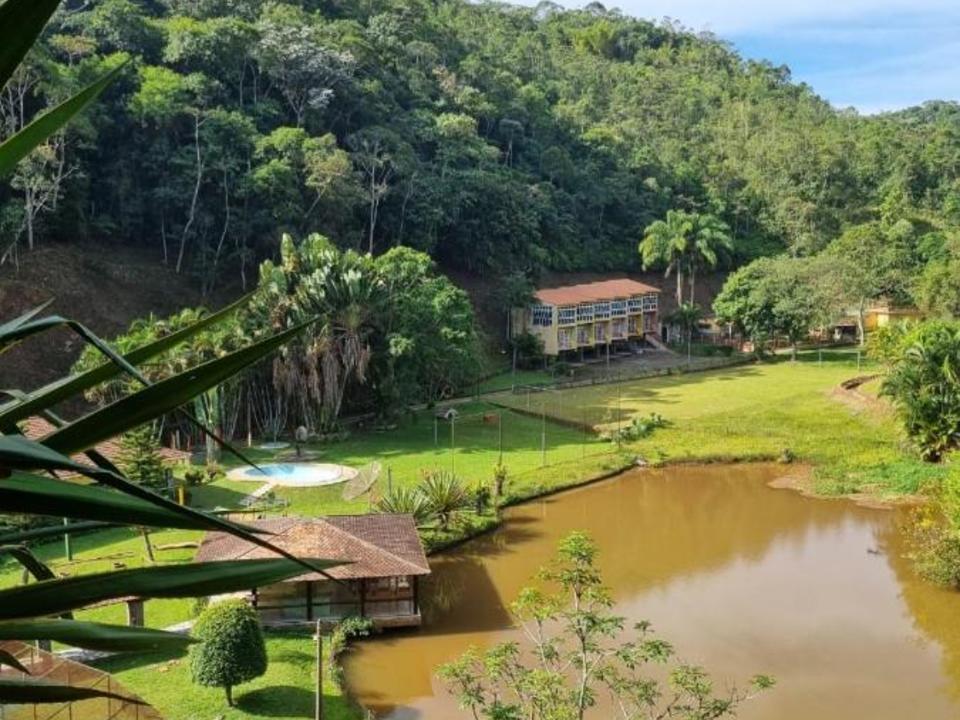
[(757, 16), (892, 83)]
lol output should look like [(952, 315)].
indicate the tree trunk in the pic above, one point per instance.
[(374, 202), (196, 193), (223, 233), (229, 693), (679, 288), (861, 332), (693, 280)]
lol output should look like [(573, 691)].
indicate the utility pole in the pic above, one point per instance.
[(543, 433), (500, 437), (318, 712)]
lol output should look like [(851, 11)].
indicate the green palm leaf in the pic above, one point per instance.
[(160, 398), (28, 404), (29, 18), (94, 636), (19, 453), (11, 661), (35, 494), (17, 692), (18, 146), (51, 597)]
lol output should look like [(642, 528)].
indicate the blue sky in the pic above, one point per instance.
[(873, 55)]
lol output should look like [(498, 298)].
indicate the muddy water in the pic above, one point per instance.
[(738, 576)]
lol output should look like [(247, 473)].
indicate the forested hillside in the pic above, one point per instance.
[(493, 137)]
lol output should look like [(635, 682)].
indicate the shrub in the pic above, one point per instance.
[(406, 500), (924, 384), (232, 650), (934, 533), (639, 428), (446, 496)]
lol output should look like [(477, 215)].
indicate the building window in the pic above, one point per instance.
[(619, 329), (600, 333), (565, 339), (635, 304), (633, 326), (568, 315), (583, 335), (601, 310), (584, 312), (542, 315), (618, 308), (649, 302)]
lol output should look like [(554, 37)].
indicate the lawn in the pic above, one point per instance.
[(507, 379), (285, 691), (536, 454), (758, 411)]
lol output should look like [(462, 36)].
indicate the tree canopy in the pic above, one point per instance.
[(494, 138)]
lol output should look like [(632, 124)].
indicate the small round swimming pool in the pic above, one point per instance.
[(296, 474)]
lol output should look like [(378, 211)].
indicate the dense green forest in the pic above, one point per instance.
[(492, 137)]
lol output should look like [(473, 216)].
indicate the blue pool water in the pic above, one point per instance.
[(296, 474)]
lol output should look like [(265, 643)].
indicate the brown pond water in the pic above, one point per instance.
[(738, 576)]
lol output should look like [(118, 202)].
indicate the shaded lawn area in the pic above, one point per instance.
[(758, 411), (285, 691), (507, 379)]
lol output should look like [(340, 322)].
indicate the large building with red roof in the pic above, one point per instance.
[(590, 316)]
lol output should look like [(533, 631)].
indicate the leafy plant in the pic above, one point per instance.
[(924, 384), (579, 649), (445, 495), (409, 501), (232, 650), (639, 428)]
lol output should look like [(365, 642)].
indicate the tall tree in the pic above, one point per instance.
[(668, 242)]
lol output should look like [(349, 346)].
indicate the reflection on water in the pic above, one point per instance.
[(739, 577)]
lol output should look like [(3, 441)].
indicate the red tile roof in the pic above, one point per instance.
[(594, 291), (376, 545), (36, 428)]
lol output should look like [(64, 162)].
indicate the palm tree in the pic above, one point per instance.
[(711, 237), (668, 241), (315, 279), (685, 242)]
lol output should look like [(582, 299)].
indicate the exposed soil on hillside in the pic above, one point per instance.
[(106, 287), (102, 286)]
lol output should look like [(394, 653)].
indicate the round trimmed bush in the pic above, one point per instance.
[(231, 650)]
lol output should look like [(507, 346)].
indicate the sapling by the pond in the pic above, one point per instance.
[(578, 651)]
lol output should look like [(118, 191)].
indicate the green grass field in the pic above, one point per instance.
[(285, 691), (757, 411)]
